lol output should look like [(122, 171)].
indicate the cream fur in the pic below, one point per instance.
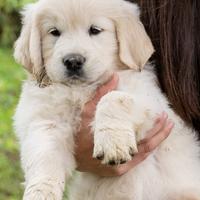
[(48, 113)]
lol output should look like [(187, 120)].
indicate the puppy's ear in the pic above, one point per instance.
[(28, 50), (135, 47)]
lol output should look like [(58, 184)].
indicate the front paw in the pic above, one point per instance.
[(114, 146), (47, 190)]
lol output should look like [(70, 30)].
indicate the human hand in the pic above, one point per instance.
[(84, 139)]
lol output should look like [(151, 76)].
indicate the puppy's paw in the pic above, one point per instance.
[(44, 191), (113, 146)]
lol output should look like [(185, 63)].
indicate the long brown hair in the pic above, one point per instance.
[(174, 28)]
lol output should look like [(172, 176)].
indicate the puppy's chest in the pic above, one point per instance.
[(66, 104), (132, 82)]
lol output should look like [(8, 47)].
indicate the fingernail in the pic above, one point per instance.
[(159, 115), (170, 124), (165, 115), (162, 114)]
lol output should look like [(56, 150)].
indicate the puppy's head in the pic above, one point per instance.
[(81, 41)]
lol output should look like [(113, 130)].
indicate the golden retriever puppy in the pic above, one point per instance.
[(69, 48)]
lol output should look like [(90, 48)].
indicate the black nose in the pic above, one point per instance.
[(74, 63)]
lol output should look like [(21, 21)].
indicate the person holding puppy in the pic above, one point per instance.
[(174, 29)]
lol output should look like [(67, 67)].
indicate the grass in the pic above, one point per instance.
[(11, 176)]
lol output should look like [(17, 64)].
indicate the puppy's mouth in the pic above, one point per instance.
[(75, 75), (76, 79)]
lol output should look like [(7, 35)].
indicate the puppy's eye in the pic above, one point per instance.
[(55, 32), (94, 30)]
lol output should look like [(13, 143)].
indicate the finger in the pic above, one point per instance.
[(123, 168), (90, 106), (153, 142), (109, 86), (137, 159), (158, 126)]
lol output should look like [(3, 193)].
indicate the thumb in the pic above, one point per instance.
[(106, 88), (90, 106)]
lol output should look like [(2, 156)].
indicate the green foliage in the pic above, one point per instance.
[(11, 177), (8, 6), (10, 20)]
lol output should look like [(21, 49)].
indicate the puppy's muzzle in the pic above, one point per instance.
[(74, 65)]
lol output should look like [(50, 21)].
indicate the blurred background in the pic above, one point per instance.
[(11, 76)]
